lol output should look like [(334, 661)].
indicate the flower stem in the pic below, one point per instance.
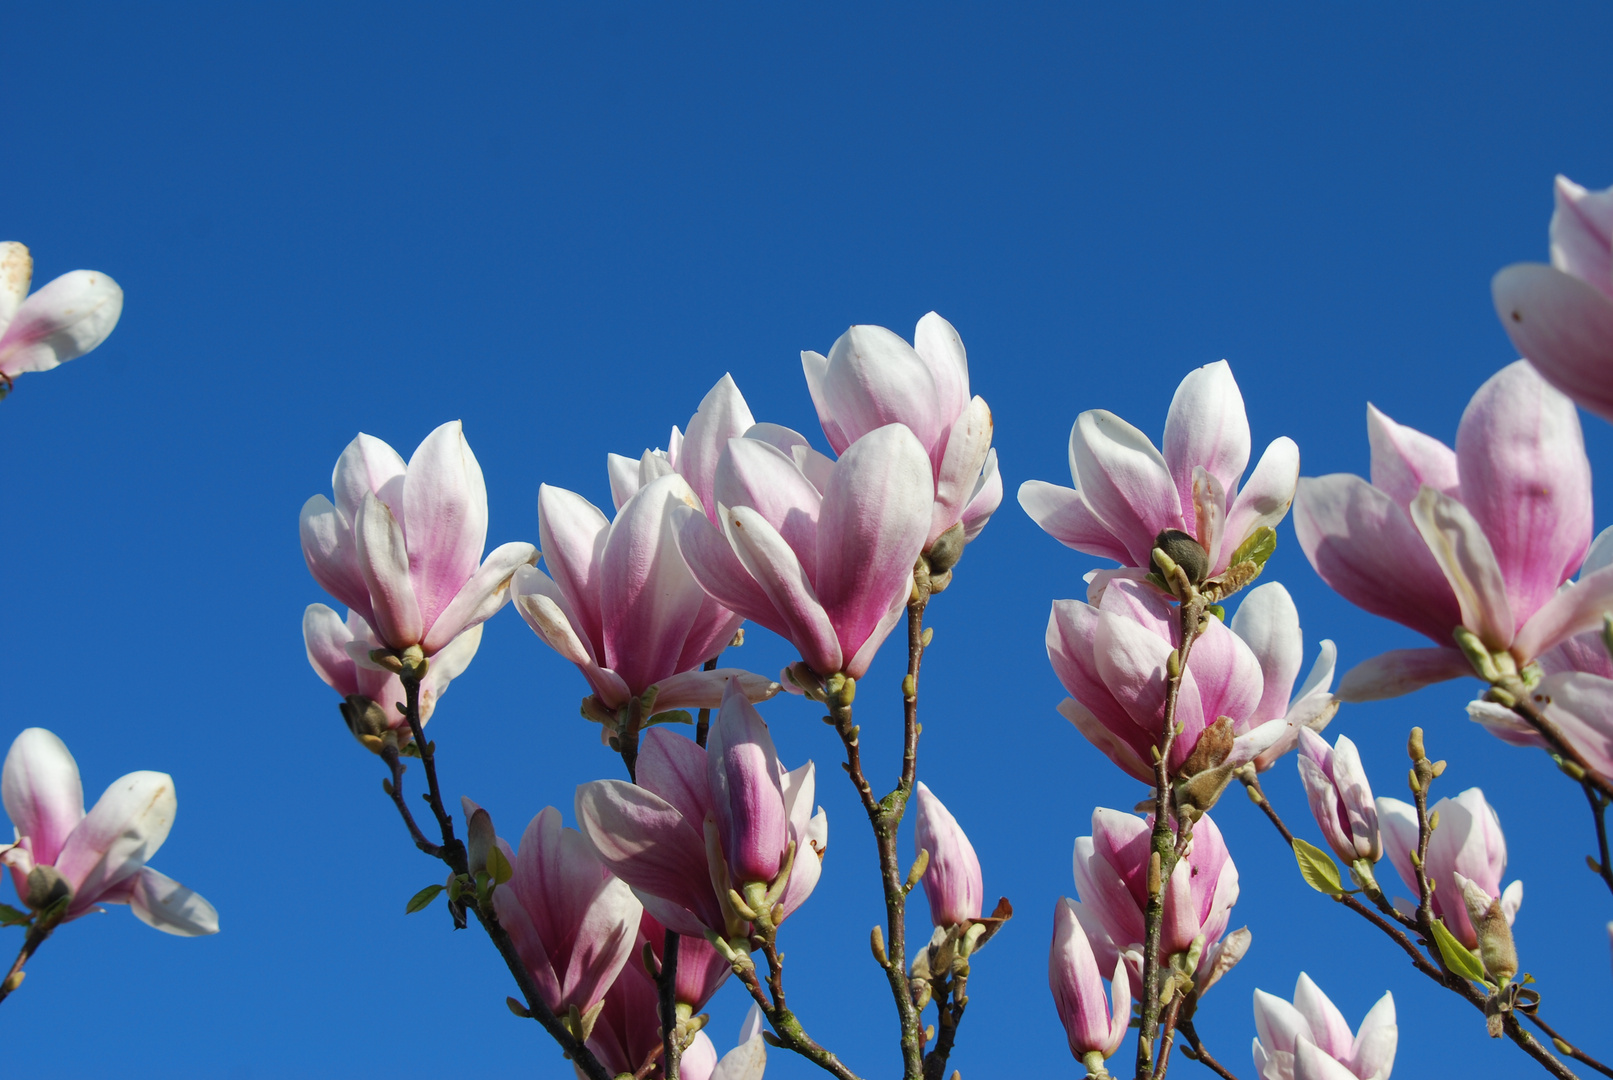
[(30, 945)]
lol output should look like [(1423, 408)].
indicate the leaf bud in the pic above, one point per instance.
[(1414, 745), (1185, 552), (46, 886), (947, 550)]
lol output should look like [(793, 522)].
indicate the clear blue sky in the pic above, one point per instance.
[(562, 225)]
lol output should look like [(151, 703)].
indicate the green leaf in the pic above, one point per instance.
[(1457, 956), (1257, 549), (1317, 868), (1218, 611), (498, 866), (673, 716), (10, 916), (422, 899)]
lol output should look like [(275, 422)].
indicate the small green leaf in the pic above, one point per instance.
[(1257, 549), (422, 899), (1218, 611), (499, 866), (1457, 956), (10, 916), (673, 716), (1317, 868)]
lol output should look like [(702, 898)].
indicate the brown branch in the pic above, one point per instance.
[(37, 933), (1565, 1047), (951, 996), (666, 985), (1516, 696), (394, 788), (787, 1030), (1195, 1051), (1599, 804), (1168, 1031)]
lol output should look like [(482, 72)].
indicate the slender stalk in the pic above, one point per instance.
[(1567, 1048), (30, 945), (666, 984), (1195, 1050), (389, 754), (951, 996), (702, 727), (1599, 804), (787, 1030), (1168, 1031)]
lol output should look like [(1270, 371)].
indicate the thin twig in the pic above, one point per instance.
[(30, 945), (1195, 1050), (787, 1030), (702, 727), (1168, 1031), (389, 754), (951, 997), (1599, 804), (666, 985), (1565, 1047)]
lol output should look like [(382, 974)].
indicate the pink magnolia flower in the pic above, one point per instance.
[(702, 822), (722, 415), (622, 605), (401, 544), (1468, 844), (1127, 492), (99, 857), (1561, 316), (701, 968), (332, 644), (952, 882), (1111, 658), (628, 1031), (1479, 538), (573, 923), (822, 556), (1111, 874), (1309, 1039), (1091, 1026), (65, 319), (1340, 797), (872, 377)]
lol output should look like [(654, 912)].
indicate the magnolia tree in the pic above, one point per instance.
[(682, 871)]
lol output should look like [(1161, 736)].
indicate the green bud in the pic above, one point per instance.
[(46, 886), (1184, 552), (944, 554)]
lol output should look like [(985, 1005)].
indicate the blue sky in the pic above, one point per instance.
[(562, 225)]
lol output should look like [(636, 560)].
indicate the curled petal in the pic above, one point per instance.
[(479, 600), (42, 792), (161, 902), (704, 689), (1064, 515), (1265, 499), (968, 444), (1125, 481), (1207, 427), (1569, 612), (65, 319), (1564, 327), (118, 836), (1404, 460), (325, 637)]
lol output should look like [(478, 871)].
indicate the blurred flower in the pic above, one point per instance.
[(1091, 1026), (65, 319), (94, 858), (822, 557), (746, 1061), (1340, 797), (1561, 316), (1467, 844), (1127, 492), (401, 544), (1111, 658), (952, 882), (1309, 1039), (1477, 539), (872, 377)]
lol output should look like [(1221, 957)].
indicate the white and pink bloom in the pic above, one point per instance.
[(1561, 316), (1111, 657), (1111, 875), (1091, 1025), (1479, 538), (573, 923), (872, 377), (702, 822), (99, 857), (1309, 1039), (1127, 492), (1340, 797), (331, 644), (952, 881), (622, 605), (746, 1061), (67, 318), (1468, 846), (402, 544), (691, 454), (821, 553)]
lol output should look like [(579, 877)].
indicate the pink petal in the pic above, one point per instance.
[(324, 636), (1108, 742), (1228, 677), (1125, 482), (122, 831), (1328, 1028), (1582, 234), (987, 497), (676, 768), (164, 904), (1458, 544), (367, 464), (952, 881), (331, 552), (1311, 1063), (723, 415), (1265, 499), (747, 795), (445, 517), (481, 597), (816, 367), (1582, 708), (1564, 327), (1131, 662), (959, 471), (1405, 460), (1063, 515), (1373, 1052), (874, 378), (1569, 612), (1077, 984), (383, 559), (529, 944), (1400, 671), (941, 349), (571, 534), (65, 319), (645, 841), (1071, 646), (1207, 426), (760, 476), (774, 566), (1268, 622), (16, 272), (42, 793), (699, 689), (712, 561), (623, 474)]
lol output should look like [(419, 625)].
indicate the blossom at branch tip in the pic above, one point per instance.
[(1561, 316), (1112, 657), (573, 923), (1111, 876), (1468, 844), (952, 881), (402, 543), (872, 377), (622, 605), (1477, 539), (1310, 1040), (1127, 492), (65, 319), (693, 454), (332, 643), (94, 858), (704, 822), (822, 556), (1340, 797), (1090, 1025)]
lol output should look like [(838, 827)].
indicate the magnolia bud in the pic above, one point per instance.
[(1185, 552), (46, 886), (1496, 950)]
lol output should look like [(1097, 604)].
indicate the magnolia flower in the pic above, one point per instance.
[(94, 858), (401, 544), (701, 968), (1309, 1039), (1478, 539), (1091, 1026), (872, 377), (1561, 316), (722, 415), (573, 923), (703, 822), (331, 645), (1111, 658), (1340, 797), (952, 882), (1127, 492), (822, 556), (746, 1061), (1111, 874), (65, 319), (1467, 845)]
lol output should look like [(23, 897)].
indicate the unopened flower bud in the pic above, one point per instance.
[(1185, 552), (1496, 950), (478, 835), (947, 549), (46, 886)]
